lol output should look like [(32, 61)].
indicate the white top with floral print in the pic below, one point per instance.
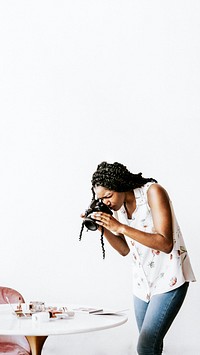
[(155, 272)]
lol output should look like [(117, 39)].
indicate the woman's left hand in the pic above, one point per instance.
[(107, 221)]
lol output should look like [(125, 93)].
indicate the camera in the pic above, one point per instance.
[(95, 206), (90, 223)]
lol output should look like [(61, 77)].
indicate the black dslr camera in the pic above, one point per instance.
[(90, 223), (95, 206)]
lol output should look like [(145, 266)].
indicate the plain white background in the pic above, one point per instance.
[(82, 82)]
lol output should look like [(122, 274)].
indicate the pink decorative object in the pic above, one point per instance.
[(13, 345)]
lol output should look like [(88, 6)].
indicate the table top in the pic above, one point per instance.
[(82, 322)]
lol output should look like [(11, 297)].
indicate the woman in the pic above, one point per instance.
[(144, 223)]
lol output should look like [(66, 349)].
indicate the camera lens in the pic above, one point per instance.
[(90, 224)]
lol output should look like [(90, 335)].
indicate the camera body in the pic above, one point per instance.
[(95, 206)]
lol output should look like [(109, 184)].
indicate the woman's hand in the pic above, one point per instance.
[(107, 221)]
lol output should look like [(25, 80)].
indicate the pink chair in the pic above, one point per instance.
[(12, 344)]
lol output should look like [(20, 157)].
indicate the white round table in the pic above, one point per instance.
[(37, 332)]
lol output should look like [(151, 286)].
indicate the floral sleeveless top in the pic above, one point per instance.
[(155, 272)]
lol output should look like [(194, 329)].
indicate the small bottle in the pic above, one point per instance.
[(19, 306)]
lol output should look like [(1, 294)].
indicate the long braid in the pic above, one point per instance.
[(82, 226), (102, 242), (102, 229), (81, 231)]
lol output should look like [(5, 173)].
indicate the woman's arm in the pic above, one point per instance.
[(162, 238), (118, 242)]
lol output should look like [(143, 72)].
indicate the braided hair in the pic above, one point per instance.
[(117, 177), (101, 227)]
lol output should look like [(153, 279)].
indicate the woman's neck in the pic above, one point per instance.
[(130, 203)]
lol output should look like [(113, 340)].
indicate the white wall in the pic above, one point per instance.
[(82, 82)]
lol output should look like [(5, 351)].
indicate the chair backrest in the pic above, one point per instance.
[(12, 295)]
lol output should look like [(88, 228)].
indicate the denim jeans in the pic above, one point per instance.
[(155, 317)]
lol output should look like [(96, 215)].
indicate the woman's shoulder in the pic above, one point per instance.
[(157, 192), (154, 187)]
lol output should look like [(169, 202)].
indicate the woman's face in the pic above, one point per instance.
[(112, 199)]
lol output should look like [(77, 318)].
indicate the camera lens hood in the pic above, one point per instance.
[(90, 224)]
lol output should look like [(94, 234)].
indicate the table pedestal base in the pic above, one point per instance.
[(36, 343)]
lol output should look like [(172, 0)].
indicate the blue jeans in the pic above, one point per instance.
[(155, 317)]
